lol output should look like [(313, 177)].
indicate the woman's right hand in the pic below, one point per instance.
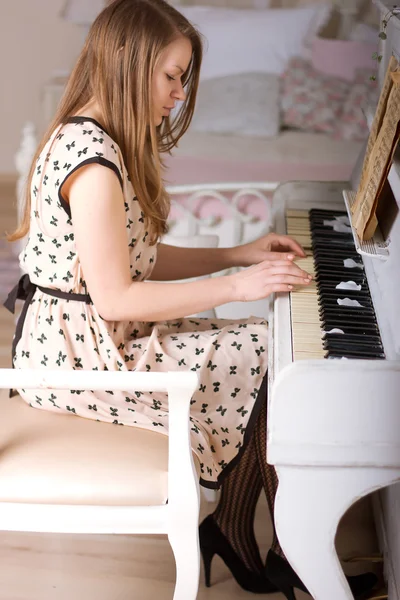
[(261, 280)]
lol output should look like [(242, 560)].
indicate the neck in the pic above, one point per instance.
[(91, 109)]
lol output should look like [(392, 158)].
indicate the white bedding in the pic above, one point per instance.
[(289, 147)]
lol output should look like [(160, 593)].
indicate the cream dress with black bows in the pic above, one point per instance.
[(229, 356)]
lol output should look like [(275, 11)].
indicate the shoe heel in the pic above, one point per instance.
[(208, 555), (289, 593), (281, 574), (212, 541)]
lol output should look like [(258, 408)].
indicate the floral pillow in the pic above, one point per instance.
[(363, 93), (310, 100)]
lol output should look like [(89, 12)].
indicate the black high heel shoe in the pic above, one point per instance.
[(213, 541), (280, 573)]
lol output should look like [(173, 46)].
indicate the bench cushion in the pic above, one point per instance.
[(53, 458)]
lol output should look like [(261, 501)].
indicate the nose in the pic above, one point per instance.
[(179, 92)]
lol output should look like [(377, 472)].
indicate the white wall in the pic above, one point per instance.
[(34, 42)]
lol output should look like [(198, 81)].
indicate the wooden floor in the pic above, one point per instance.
[(83, 567)]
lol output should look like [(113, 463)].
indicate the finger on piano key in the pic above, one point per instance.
[(306, 263), (310, 288)]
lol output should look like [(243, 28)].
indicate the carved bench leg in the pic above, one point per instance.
[(185, 546), (309, 505)]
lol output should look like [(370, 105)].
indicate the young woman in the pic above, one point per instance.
[(96, 294)]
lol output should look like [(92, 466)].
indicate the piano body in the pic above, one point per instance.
[(334, 423)]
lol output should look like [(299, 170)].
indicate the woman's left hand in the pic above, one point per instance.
[(269, 247)]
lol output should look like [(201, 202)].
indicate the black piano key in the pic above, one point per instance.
[(354, 354), (363, 295), (329, 278), (350, 328), (324, 225), (338, 275), (348, 343), (334, 321), (328, 307), (338, 262), (346, 357), (326, 213), (321, 234), (372, 338), (327, 303), (336, 245), (326, 251), (336, 255), (363, 318)]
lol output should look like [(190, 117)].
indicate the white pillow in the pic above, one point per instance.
[(244, 104), (263, 41), (364, 33)]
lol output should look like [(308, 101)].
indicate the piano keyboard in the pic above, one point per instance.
[(334, 316)]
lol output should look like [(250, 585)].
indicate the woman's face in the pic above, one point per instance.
[(167, 78)]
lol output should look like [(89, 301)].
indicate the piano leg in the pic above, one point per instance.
[(309, 504)]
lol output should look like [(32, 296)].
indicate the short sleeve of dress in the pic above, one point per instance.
[(79, 142), (83, 142)]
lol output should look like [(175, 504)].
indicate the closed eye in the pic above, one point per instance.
[(170, 78)]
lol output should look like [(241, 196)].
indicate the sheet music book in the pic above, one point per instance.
[(382, 143)]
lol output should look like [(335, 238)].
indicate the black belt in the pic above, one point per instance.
[(24, 290)]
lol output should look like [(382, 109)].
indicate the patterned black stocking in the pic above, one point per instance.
[(234, 513), (240, 492), (268, 473)]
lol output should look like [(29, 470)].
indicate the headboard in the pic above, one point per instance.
[(345, 12)]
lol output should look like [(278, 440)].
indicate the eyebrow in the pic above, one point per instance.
[(180, 68)]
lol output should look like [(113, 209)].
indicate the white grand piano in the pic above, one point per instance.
[(334, 423)]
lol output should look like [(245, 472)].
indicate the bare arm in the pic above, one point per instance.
[(183, 263), (98, 216)]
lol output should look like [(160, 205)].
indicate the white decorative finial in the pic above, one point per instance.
[(348, 11), (23, 161), (27, 149)]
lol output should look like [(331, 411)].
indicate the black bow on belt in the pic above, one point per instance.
[(22, 291), (25, 290)]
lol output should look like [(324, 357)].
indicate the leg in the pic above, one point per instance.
[(229, 531), (268, 474), (235, 511), (240, 493)]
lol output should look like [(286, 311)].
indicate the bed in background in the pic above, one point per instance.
[(293, 155), (263, 114), (281, 91), (280, 97)]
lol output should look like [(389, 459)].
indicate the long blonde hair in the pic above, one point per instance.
[(116, 67)]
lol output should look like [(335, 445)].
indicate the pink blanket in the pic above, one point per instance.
[(186, 170)]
